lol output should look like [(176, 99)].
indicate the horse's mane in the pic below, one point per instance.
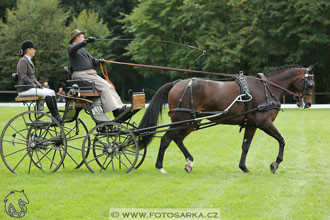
[(287, 66)]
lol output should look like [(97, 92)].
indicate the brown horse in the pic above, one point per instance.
[(195, 98)]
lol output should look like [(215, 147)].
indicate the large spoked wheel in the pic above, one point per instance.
[(33, 139), (143, 152), (114, 147)]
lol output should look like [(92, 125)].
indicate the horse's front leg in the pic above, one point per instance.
[(248, 136), (270, 129), (179, 142)]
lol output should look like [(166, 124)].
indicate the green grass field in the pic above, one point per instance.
[(300, 189)]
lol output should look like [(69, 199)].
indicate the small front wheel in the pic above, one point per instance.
[(114, 147)]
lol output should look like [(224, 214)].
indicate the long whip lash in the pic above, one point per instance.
[(158, 41)]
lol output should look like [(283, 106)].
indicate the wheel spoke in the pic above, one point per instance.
[(31, 156), (76, 148), (39, 161), (76, 138), (109, 163), (121, 161), (16, 152), (14, 142), (96, 148), (69, 130), (98, 156), (102, 168), (18, 132), (128, 159), (45, 155), (46, 131), (51, 164), (113, 167), (61, 157), (72, 158), (20, 160), (130, 153)]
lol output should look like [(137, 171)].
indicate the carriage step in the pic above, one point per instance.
[(100, 118), (27, 98)]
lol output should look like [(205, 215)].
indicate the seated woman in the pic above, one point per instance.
[(25, 70)]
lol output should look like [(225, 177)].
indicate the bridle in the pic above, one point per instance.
[(308, 85)]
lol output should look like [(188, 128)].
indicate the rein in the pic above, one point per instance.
[(191, 71), (105, 73)]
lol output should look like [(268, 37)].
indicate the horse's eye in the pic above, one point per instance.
[(310, 84)]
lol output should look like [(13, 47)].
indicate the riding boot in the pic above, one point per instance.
[(52, 106)]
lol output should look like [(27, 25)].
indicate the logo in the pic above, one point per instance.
[(15, 204)]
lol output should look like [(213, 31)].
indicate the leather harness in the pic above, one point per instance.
[(271, 101)]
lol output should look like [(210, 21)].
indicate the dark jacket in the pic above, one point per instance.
[(79, 58), (26, 76)]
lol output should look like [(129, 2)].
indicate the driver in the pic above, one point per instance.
[(83, 66)]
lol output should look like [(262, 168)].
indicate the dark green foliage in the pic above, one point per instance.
[(253, 36), (39, 21)]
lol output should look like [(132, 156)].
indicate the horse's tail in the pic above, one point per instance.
[(150, 117)]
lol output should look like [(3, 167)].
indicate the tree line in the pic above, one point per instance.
[(252, 36)]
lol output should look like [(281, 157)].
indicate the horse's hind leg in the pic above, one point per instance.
[(248, 136), (164, 143), (178, 137), (270, 129)]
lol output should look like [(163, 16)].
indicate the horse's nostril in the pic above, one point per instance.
[(308, 105)]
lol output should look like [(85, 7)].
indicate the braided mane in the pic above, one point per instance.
[(283, 67)]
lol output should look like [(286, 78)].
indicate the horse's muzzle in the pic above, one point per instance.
[(307, 105)]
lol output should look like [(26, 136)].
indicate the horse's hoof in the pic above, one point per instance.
[(244, 169), (273, 167), (161, 170), (188, 168), (189, 165)]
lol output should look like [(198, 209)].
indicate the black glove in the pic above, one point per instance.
[(91, 40), (39, 86)]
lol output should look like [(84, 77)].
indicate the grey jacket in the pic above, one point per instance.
[(26, 76), (79, 58)]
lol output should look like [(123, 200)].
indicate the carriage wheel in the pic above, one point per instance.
[(33, 137), (143, 152), (114, 147), (75, 133)]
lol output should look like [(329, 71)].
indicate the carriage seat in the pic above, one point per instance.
[(23, 98)]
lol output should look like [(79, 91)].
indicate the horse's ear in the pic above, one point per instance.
[(311, 66)]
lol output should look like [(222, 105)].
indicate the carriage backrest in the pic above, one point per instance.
[(83, 85), (14, 76)]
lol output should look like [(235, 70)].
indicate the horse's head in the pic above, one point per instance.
[(304, 88)]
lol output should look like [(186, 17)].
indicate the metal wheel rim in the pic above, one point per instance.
[(115, 155)]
